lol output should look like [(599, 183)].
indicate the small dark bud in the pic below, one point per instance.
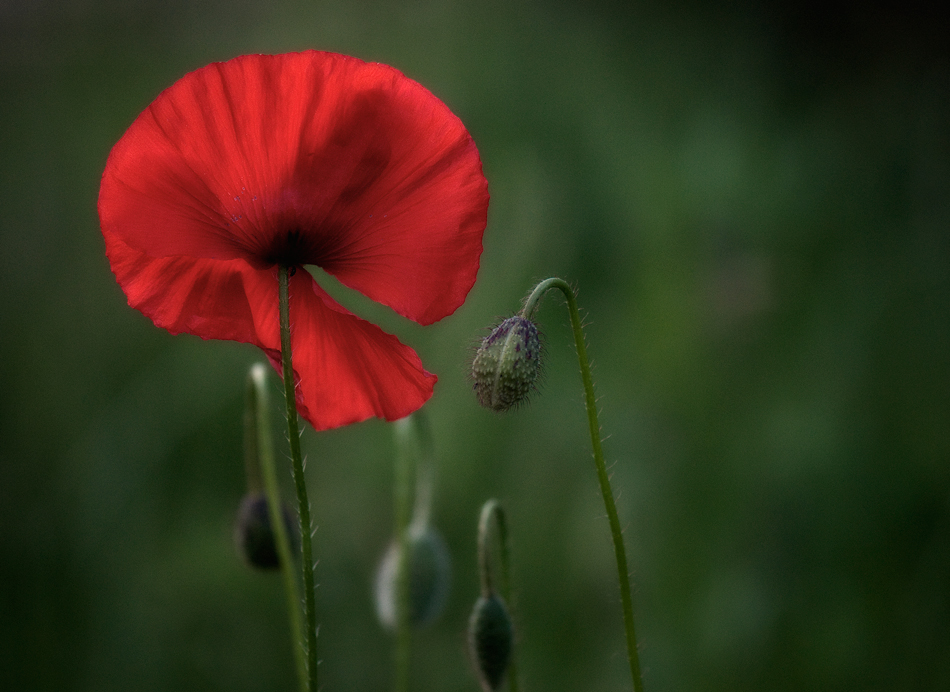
[(507, 364), (253, 535), (429, 577), (490, 638)]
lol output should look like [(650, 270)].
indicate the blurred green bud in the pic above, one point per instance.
[(429, 577), (507, 364), (490, 636), (253, 535)]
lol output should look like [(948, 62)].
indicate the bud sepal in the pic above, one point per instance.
[(507, 364), (490, 638), (254, 534), (429, 574)]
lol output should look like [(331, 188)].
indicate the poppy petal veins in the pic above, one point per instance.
[(304, 158)]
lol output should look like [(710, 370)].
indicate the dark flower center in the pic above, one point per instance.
[(288, 249)]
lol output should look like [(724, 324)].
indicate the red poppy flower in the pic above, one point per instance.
[(306, 158)]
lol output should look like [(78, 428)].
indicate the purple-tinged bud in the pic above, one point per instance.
[(490, 636), (254, 537), (507, 364)]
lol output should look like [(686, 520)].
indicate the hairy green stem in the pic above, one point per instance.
[(258, 439), (620, 552), (303, 504)]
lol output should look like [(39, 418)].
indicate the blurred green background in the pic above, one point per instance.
[(753, 201)]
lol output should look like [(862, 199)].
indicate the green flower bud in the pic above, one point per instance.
[(490, 636), (253, 535), (429, 577), (507, 364)]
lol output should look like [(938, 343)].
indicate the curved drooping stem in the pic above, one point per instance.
[(402, 490), (620, 553), (413, 466), (261, 470), (303, 504), (492, 509)]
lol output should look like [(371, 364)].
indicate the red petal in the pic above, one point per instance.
[(207, 298), (381, 181), (347, 369), (411, 201)]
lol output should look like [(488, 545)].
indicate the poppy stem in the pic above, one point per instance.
[(259, 447), (412, 467), (402, 497), (620, 553), (293, 434), (492, 509)]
